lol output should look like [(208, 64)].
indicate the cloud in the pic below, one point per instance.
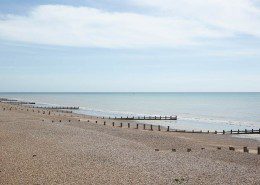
[(172, 24), (232, 16)]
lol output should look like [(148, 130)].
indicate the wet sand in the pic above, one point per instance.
[(37, 148)]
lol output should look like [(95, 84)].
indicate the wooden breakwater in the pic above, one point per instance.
[(144, 118), (56, 107), (18, 102)]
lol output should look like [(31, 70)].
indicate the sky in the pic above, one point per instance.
[(130, 46)]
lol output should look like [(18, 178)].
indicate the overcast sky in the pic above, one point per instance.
[(131, 45)]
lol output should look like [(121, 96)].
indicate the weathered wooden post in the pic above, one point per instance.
[(159, 127), (104, 123), (238, 131), (151, 127), (121, 124), (258, 150), (252, 131), (144, 126), (246, 131), (246, 149), (224, 132), (168, 128), (231, 148), (113, 124), (137, 126), (231, 131), (208, 131), (216, 132), (128, 124)]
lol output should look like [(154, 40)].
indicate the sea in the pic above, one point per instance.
[(195, 111)]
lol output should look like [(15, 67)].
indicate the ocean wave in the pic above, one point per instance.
[(183, 117)]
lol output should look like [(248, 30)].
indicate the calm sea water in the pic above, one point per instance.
[(199, 111)]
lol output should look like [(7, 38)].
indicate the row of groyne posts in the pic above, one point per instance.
[(146, 126)]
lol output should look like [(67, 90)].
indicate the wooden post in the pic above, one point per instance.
[(151, 127), (159, 127), (252, 131), (258, 150), (168, 128), (208, 131), (121, 124), (223, 131), (246, 149), (137, 126), (113, 124), (246, 131), (231, 131), (238, 131), (128, 124), (231, 148), (104, 123), (144, 126), (216, 132)]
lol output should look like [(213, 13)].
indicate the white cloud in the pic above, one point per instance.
[(174, 23), (233, 16)]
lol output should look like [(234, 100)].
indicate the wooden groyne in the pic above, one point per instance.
[(18, 102), (144, 118), (57, 107)]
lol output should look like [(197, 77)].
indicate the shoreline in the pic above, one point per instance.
[(188, 120), (35, 150)]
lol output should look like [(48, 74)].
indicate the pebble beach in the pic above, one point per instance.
[(37, 147)]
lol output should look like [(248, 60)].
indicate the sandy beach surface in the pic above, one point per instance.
[(64, 148)]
